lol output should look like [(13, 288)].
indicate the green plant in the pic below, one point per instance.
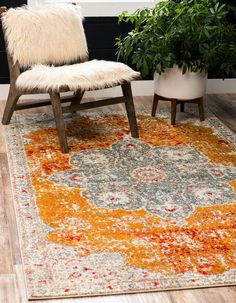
[(194, 34)]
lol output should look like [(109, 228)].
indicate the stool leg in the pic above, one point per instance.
[(154, 105), (182, 106), (201, 109), (173, 111)]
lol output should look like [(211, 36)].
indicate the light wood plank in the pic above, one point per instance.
[(20, 284), (3, 219), (224, 108), (7, 289), (5, 249), (209, 295), (2, 131), (9, 209)]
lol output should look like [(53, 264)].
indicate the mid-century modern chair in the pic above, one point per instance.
[(47, 53)]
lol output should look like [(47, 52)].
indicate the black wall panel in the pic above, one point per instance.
[(102, 31), (12, 3), (2, 47), (4, 75), (3, 60)]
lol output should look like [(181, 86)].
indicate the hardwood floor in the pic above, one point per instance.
[(12, 288)]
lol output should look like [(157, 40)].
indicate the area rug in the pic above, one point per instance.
[(122, 215)]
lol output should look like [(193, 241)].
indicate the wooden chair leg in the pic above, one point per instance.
[(79, 95), (12, 99), (182, 106), (129, 104), (154, 105), (60, 125), (201, 109), (173, 111)]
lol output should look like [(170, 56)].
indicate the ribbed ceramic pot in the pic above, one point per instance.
[(173, 84)]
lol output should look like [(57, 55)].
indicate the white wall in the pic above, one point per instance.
[(101, 8)]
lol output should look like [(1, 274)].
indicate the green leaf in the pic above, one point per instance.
[(158, 68), (145, 68), (206, 33), (212, 10)]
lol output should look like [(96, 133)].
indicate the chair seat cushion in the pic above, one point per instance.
[(91, 75)]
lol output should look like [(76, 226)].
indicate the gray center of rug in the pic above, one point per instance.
[(164, 180)]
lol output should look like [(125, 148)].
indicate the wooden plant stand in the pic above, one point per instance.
[(174, 103)]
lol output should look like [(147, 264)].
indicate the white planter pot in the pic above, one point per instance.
[(173, 84)]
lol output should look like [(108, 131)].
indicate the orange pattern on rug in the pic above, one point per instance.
[(145, 240)]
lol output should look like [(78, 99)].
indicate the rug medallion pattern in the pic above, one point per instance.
[(119, 214)]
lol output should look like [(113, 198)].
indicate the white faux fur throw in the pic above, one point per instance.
[(95, 74), (45, 34)]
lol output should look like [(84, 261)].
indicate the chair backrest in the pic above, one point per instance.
[(45, 34)]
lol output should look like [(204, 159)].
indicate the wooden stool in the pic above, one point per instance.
[(174, 103)]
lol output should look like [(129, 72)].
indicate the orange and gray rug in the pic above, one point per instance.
[(122, 215)]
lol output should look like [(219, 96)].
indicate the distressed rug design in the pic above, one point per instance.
[(122, 215)]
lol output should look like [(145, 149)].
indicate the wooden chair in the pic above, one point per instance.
[(74, 72)]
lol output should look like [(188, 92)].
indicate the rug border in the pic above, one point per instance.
[(131, 292), (10, 166)]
